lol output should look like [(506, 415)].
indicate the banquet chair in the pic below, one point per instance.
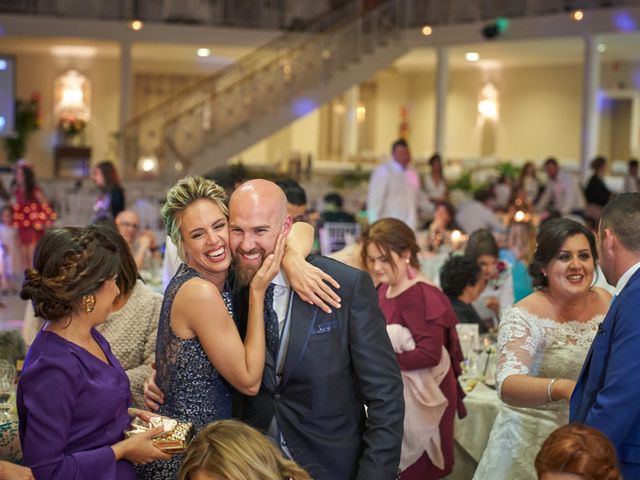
[(335, 236)]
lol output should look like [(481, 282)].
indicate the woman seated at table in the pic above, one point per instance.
[(439, 230), (132, 325), (424, 313), (483, 249), (542, 344), (73, 394), (461, 281), (232, 450)]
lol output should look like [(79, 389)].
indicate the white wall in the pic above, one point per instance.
[(36, 73), (539, 111)]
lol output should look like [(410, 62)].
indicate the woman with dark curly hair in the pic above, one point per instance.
[(73, 394), (460, 280), (542, 344), (577, 451)]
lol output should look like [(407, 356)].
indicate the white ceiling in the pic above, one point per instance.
[(493, 54), (74, 47), (497, 53)]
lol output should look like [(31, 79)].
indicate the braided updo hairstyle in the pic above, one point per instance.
[(68, 264)]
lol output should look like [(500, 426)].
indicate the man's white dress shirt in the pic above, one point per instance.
[(564, 192), (394, 191)]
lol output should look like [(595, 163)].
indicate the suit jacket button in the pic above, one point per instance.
[(276, 396)]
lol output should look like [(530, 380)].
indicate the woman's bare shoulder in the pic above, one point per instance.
[(536, 303)]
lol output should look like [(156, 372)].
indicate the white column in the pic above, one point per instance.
[(590, 114), (125, 95), (350, 127), (442, 79)]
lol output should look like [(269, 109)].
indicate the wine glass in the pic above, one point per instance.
[(6, 389), (8, 371)]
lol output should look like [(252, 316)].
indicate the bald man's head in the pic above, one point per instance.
[(257, 214)]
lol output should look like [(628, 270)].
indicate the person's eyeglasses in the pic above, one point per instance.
[(135, 226)]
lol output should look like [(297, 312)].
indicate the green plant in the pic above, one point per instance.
[(462, 183), (350, 179), (26, 122), (507, 169)]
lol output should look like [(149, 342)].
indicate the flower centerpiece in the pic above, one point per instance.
[(71, 127)]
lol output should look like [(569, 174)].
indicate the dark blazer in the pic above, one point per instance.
[(335, 365), (607, 395)]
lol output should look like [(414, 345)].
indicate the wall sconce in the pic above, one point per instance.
[(488, 103), (72, 97), (148, 165)]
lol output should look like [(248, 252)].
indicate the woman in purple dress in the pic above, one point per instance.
[(73, 394)]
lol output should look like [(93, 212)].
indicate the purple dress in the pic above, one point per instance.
[(72, 407)]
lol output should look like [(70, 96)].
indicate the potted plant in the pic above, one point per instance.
[(72, 129), (27, 121)]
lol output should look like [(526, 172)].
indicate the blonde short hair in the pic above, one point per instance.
[(234, 451), (183, 194)]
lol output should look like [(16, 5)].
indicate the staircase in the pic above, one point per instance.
[(200, 128)]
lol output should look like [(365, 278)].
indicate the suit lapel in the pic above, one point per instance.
[(302, 321)]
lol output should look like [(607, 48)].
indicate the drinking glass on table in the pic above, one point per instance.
[(6, 389)]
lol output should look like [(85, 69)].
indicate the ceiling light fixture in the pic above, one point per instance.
[(427, 30), (602, 47), (136, 25), (204, 52), (472, 56), (577, 15)]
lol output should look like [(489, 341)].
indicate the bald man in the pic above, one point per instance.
[(322, 368), (142, 243)]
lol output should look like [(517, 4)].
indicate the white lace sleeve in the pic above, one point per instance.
[(519, 341)]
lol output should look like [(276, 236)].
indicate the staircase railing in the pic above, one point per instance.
[(185, 124)]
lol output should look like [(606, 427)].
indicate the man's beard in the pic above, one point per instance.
[(244, 272)]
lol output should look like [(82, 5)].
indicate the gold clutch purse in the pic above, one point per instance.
[(174, 439)]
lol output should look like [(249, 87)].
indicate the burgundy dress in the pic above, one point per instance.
[(427, 313), (72, 407)]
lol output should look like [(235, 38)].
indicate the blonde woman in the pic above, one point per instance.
[(231, 450)]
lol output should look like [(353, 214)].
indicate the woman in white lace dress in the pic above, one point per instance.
[(542, 344)]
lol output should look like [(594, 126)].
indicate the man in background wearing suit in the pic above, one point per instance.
[(607, 395), (321, 368)]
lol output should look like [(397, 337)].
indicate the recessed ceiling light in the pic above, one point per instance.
[(472, 56), (602, 47), (427, 30), (577, 15), (136, 25), (204, 52)]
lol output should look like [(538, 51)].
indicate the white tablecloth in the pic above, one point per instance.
[(472, 432)]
